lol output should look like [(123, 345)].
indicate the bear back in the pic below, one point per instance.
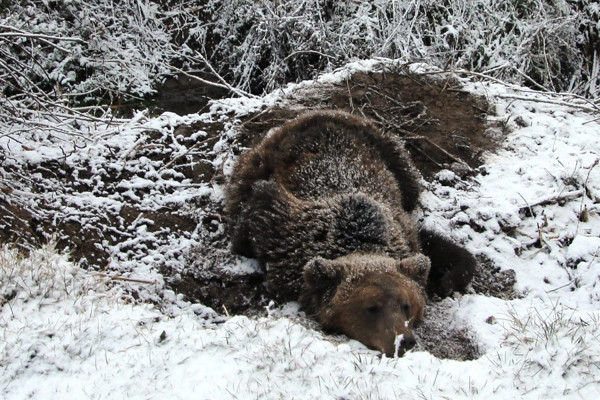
[(318, 155), (326, 184)]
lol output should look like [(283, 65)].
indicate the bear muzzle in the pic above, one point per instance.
[(403, 343)]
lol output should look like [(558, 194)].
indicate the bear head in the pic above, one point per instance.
[(366, 297)]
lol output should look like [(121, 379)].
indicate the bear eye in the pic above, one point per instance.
[(373, 310), (406, 310)]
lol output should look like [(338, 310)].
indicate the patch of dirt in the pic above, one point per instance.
[(436, 335), (490, 280), (226, 294), (15, 221), (184, 95), (206, 280), (92, 213)]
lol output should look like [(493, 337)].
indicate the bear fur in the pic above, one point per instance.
[(324, 203), (452, 267), (371, 298)]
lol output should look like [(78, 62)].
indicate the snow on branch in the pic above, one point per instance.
[(89, 56), (261, 44)]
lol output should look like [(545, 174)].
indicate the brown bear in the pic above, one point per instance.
[(324, 203)]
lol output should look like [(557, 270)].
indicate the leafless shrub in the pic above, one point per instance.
[(546, 44), (76, 58), (63, 64)]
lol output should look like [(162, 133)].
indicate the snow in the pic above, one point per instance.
[(70, 333), (583, 248)]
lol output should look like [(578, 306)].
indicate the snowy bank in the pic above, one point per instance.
[(72, 333)]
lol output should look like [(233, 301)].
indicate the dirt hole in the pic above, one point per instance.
[(443, 126)]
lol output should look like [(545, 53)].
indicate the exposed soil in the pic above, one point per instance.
[(490, 280), (183, 94), (443, 126), (88, 230), (437, 335)]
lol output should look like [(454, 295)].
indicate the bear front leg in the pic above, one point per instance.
[(267, 220), (264, 202), (452, 267)]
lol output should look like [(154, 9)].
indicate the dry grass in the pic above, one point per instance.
[(44, 275), (554, 342)]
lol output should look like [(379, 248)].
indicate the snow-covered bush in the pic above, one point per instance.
[(81, 51), (105, 51), (61, 61), (260, 44)]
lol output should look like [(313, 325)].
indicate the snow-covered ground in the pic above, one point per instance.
[(69, 333)]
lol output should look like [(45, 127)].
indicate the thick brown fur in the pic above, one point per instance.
[(272, 159), (324, 203)]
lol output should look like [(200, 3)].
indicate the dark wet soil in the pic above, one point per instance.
[(185, 94), (437, 335)]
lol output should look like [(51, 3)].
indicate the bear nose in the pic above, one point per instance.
[(408, 342)]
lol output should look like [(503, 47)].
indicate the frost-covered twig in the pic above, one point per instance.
[(550, 101), (553, 199), (583, 213), (441, 149), (47, 39), (124, 279), (528, 206), (225, 86), (592, 107), (14, 32), (185, 153), (237, 91)]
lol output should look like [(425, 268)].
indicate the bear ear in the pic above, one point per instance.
[(320, 274), (416, 268)]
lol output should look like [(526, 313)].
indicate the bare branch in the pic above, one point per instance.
[(14, 32), (554, 199), (225, 86)]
